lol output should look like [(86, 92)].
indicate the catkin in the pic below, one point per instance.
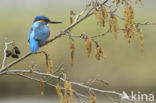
[(115, 26), (99, 53), (71, 92), (66, 96), (71, 20), (41, 86), (110, 24), (117, 2), (141, 1), (88, 43), (141, 40), (101, 16), (68, 88), (50, 66), (58, 89), (130, 28), (136, 1), (72, 51), (92, 99)]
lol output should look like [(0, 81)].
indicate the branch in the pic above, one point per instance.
[(38, 80), (58, 77), (99, 35), (23, 73)]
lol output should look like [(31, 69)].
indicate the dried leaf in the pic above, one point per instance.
[(41, 86), (58, 89), (72, 51), (88, 43)]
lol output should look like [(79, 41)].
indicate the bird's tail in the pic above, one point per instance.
[(34, 46)]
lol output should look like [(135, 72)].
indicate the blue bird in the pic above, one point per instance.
[(39, 32)]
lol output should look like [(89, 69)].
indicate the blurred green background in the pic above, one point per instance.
[(126, 67)]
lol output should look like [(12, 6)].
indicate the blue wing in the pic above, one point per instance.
[(34, 44), (41, 34)]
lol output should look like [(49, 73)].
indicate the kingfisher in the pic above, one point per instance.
[(39, 32)]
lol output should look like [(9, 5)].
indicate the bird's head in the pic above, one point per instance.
[(46, 20)]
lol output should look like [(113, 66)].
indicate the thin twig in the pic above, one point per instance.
[(146, 23), (99, 35), (14, 62), (4, 58), (82, 12)]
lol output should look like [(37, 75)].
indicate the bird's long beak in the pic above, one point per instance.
[(55, 22)]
